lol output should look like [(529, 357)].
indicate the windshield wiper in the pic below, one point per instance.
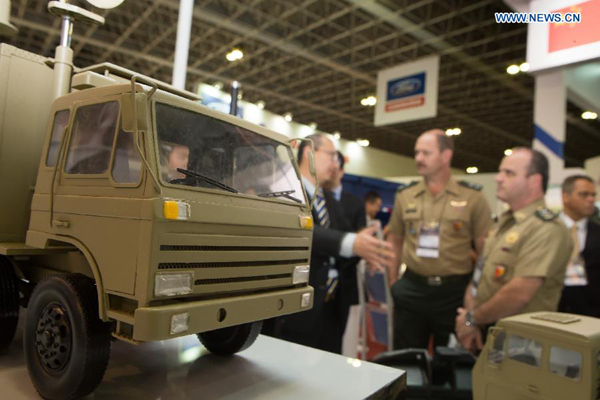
[(207, 179), (284, 193)]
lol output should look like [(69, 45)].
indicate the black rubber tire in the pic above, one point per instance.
[(74, 297), (228, 341), (9, 303)]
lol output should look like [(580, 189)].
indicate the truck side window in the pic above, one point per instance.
[(496, 353), (61, 120), (524, 350), (92, 139), (565, 362), (127, 165)]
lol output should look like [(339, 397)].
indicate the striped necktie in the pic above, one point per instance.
[(321, 209)]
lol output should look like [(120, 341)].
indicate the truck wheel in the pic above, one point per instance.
[(227, 341), (66, 345), (9, 303)]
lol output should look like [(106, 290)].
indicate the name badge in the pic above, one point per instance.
[(576, 275), (429, 241)]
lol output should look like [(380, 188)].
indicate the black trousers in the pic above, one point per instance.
[(421, 310)]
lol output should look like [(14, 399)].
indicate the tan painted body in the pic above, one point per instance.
[(241, 248), (560, 360)]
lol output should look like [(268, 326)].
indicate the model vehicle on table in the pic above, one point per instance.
[(130, 210), (540, 356)]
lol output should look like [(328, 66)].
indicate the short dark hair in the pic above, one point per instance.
[(341, 160), (317, 139), (537, 165), (444, 141), (569, 183), (372, 196)]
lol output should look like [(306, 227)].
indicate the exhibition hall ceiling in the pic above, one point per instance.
[(318, 58)]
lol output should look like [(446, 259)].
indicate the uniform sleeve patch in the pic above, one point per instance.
[(471, 185)]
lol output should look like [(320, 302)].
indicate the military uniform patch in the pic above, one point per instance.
[(512, 237), (545, 214)]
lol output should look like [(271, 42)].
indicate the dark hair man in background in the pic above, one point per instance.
[(581, 294), (372, 205)]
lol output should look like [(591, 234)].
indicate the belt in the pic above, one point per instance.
[(436, 280)]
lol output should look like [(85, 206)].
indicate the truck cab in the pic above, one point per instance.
[(540, 355), (139, 213)]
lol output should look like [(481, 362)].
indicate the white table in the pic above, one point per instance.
[(182, 369)]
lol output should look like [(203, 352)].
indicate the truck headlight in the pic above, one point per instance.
[(173, 284), (300, 274), (176, 210)]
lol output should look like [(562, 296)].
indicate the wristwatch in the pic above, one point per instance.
[(470, 319)]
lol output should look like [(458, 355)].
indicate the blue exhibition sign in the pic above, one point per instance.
[(406, 86)]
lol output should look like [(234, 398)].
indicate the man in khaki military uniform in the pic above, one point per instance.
[(523, 264), (433, 228)]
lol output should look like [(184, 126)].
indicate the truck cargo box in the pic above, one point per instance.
[(25, 99)]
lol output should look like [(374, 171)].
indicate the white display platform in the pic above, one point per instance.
[(183, 369)]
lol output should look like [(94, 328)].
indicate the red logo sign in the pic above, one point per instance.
[(565, 35)]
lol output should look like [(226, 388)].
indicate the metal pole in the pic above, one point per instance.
[(184, 29), (235, 89), (63, 58)]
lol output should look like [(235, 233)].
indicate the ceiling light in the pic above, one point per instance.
[(313, 126), (260, 104), (589, 115), (362, 142), (234, 55), (337, 135), (513, 69), (524, 67), (453, 131), (472, 170), (288, 117), (218, 85), (369, 101), (507, 152)]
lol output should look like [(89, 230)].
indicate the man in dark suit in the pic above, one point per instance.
[(333, 242), (354, 212), (582, 281)]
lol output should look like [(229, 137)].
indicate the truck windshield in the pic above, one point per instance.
[(200, 151)]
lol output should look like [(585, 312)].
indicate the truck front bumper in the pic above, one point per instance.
[(154, 323)]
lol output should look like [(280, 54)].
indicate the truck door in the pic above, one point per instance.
[(99, 195)]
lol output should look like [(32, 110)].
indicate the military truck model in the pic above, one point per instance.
[(127, 209), (540, 355)]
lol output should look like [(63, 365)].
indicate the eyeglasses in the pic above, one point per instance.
[(331, 153)]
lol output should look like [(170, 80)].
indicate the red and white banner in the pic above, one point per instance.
[(556, 44)]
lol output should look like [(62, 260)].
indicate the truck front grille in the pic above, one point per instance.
[(231, 248), (238, 280), (226, 264)]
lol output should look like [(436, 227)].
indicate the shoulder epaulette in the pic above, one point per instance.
[(545, 214), (470, 185), (401, 188)]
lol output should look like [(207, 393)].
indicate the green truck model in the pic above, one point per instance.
[(127, 209), (542, 355)]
